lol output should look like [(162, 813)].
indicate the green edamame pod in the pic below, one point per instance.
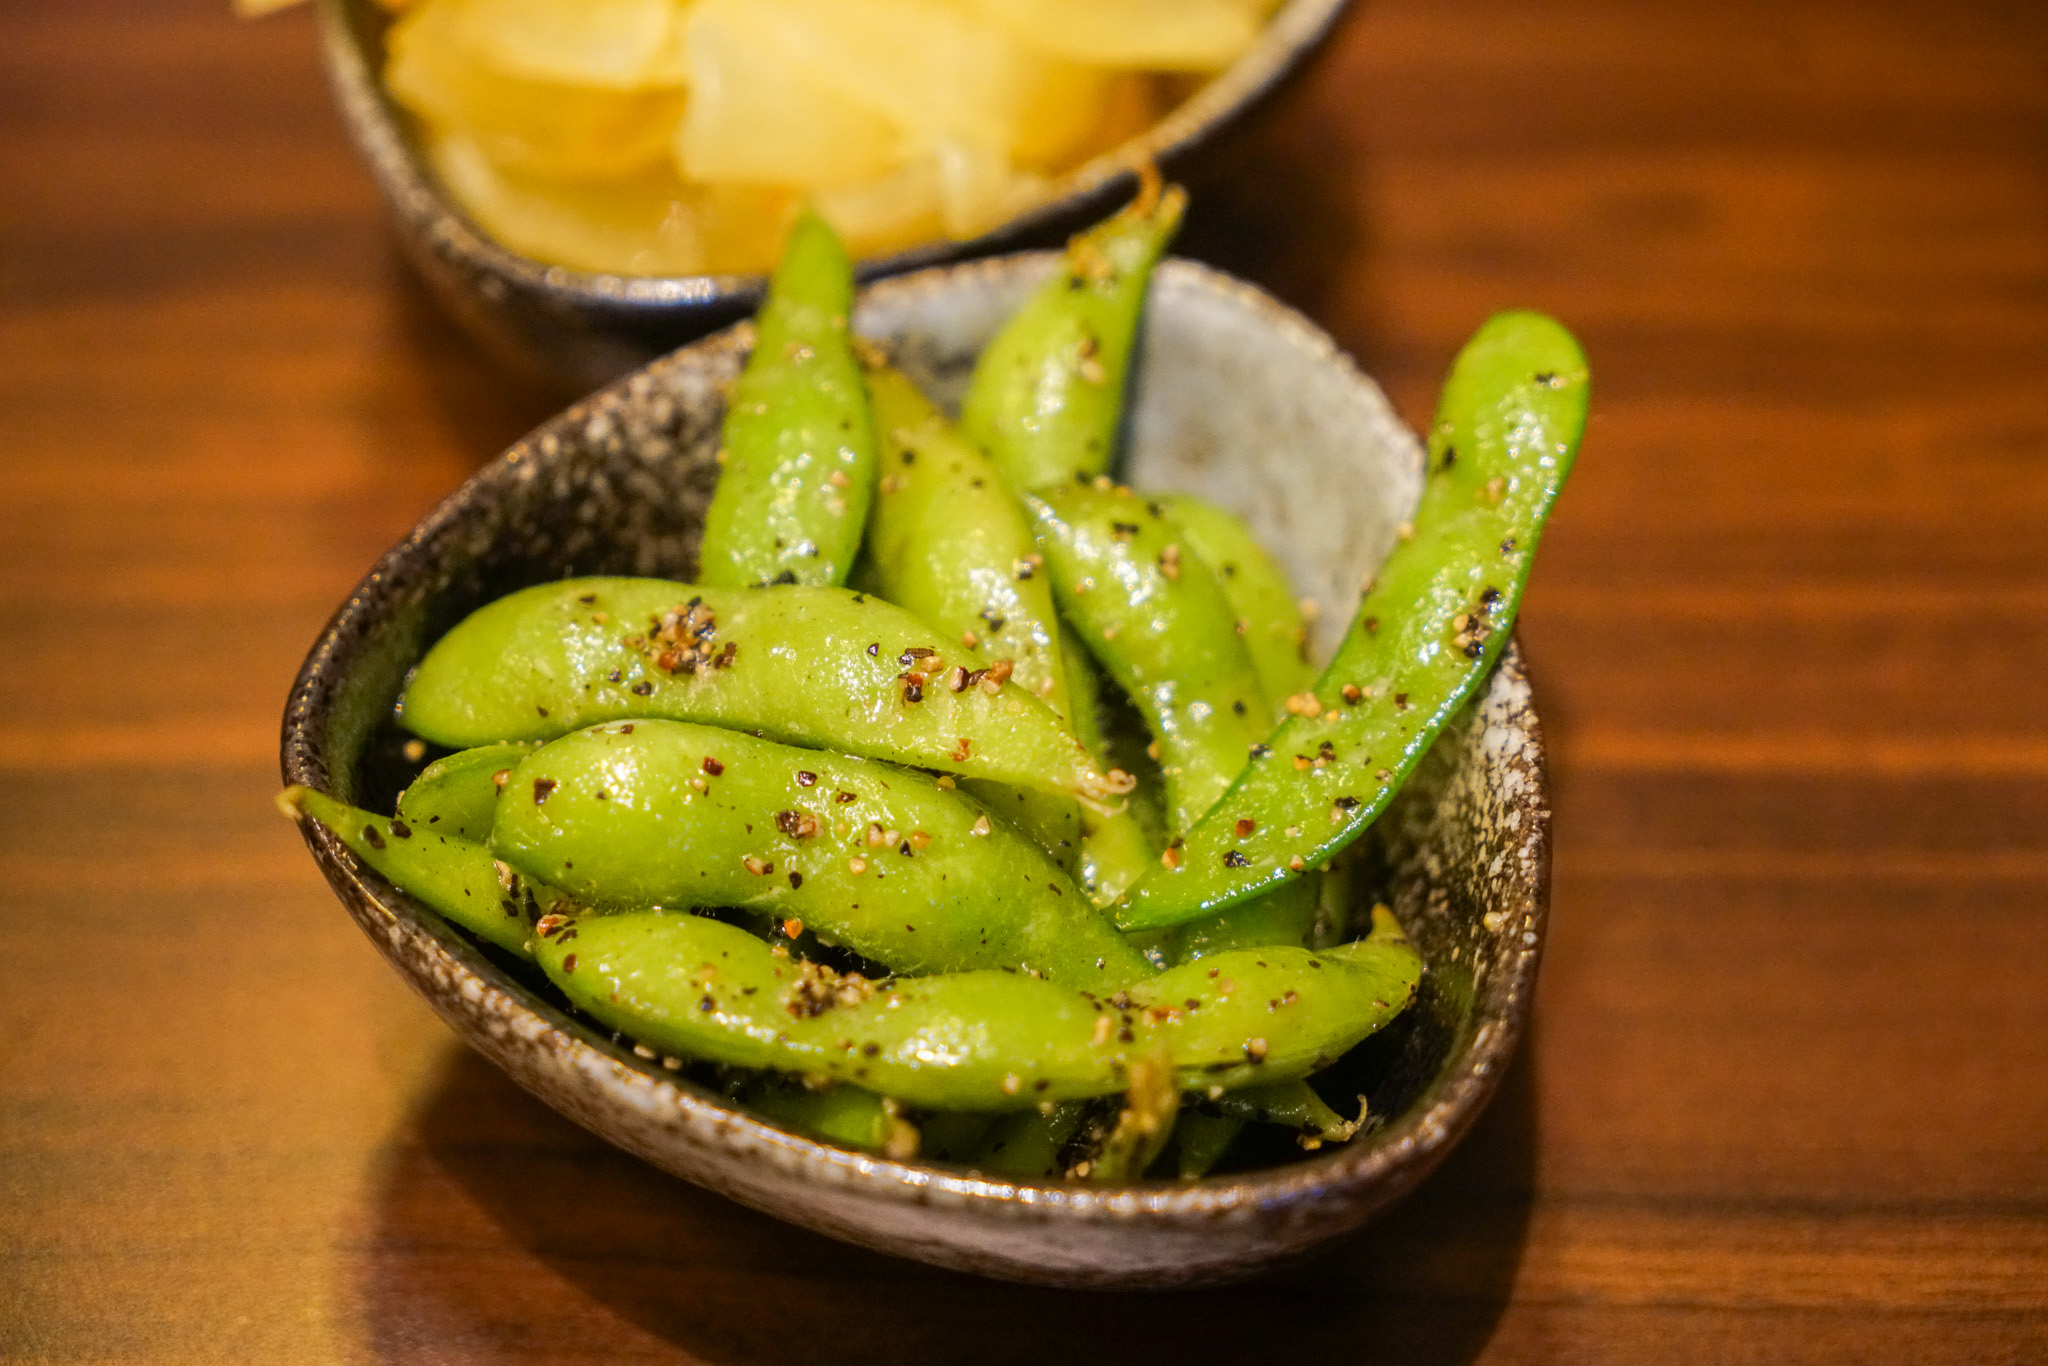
[(1026, 1144), (799, 441), (948, 543), (455, 877), (1048, 391), (1268, 614), (846, 1115), (984, 1040), (812, 666), (880, 860), (1200, 1141), (1158, 621), (1426, 633), (1293, 1104), (456, 795)]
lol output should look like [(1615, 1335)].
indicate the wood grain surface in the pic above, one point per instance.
[(1787, 1095)]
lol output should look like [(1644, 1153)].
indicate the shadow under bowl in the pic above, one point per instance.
[(1234, 398), (583, 328)]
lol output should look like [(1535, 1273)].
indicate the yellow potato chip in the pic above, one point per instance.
[(758, 117), (1162, 35), (603, 44), (646, 225), (538, 127)]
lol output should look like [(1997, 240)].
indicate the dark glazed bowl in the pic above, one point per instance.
[(585, 329), (1236, 398)]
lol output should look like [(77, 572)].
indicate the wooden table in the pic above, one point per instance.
[(1787, 1096)]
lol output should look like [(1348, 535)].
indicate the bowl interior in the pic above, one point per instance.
[(1234, 398)]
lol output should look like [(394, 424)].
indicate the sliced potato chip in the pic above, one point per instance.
[(758, 116), (645, 225), (938, 72), (1163, 35), (543, 128), (604, 44)]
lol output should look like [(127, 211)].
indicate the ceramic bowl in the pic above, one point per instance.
[(1235, 398), (584, 329)]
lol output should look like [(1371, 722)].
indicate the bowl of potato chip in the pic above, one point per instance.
[(589, 183)]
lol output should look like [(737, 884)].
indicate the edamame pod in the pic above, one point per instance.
[(457, 795), (985, 1040), (1426, 633), (1026, 1144), (811, 666), (1048, 391), (880, 860), (454, 877), (948, 543), (1268, 614), (799, 441), (1158, 621), (846, 1115)]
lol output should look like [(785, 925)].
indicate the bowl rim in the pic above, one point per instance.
[(377, 127), (1388, 1162)]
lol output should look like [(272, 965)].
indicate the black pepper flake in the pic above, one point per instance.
[(1489, 596), (796, 879), (1261, 751), (614, 677), (1125, 1036), (913, 691), (542, 710), (1123, 531), (707, 1004), (626, 729), (641, 689), (712, 766), (401, 829), (787, 576), (1233, 859), (869, 1050), (372, 838), (915, 653), (569, 963), (1346, 803), (1401, 700), (1372, 624), (842, 797), (1450, 457), (587, 598), (1238, 706), (543, 788), (805, 778), (1507, 547), (874, 649)]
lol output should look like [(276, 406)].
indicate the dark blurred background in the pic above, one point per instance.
[(1784, 1101)]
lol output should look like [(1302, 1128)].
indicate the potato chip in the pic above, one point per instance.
[(645, 225), (603, 44), (1162, 35), (757, 116), (535, 127)]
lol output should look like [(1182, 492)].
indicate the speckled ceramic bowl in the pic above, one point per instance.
[(585, 329), (1236, 398)]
